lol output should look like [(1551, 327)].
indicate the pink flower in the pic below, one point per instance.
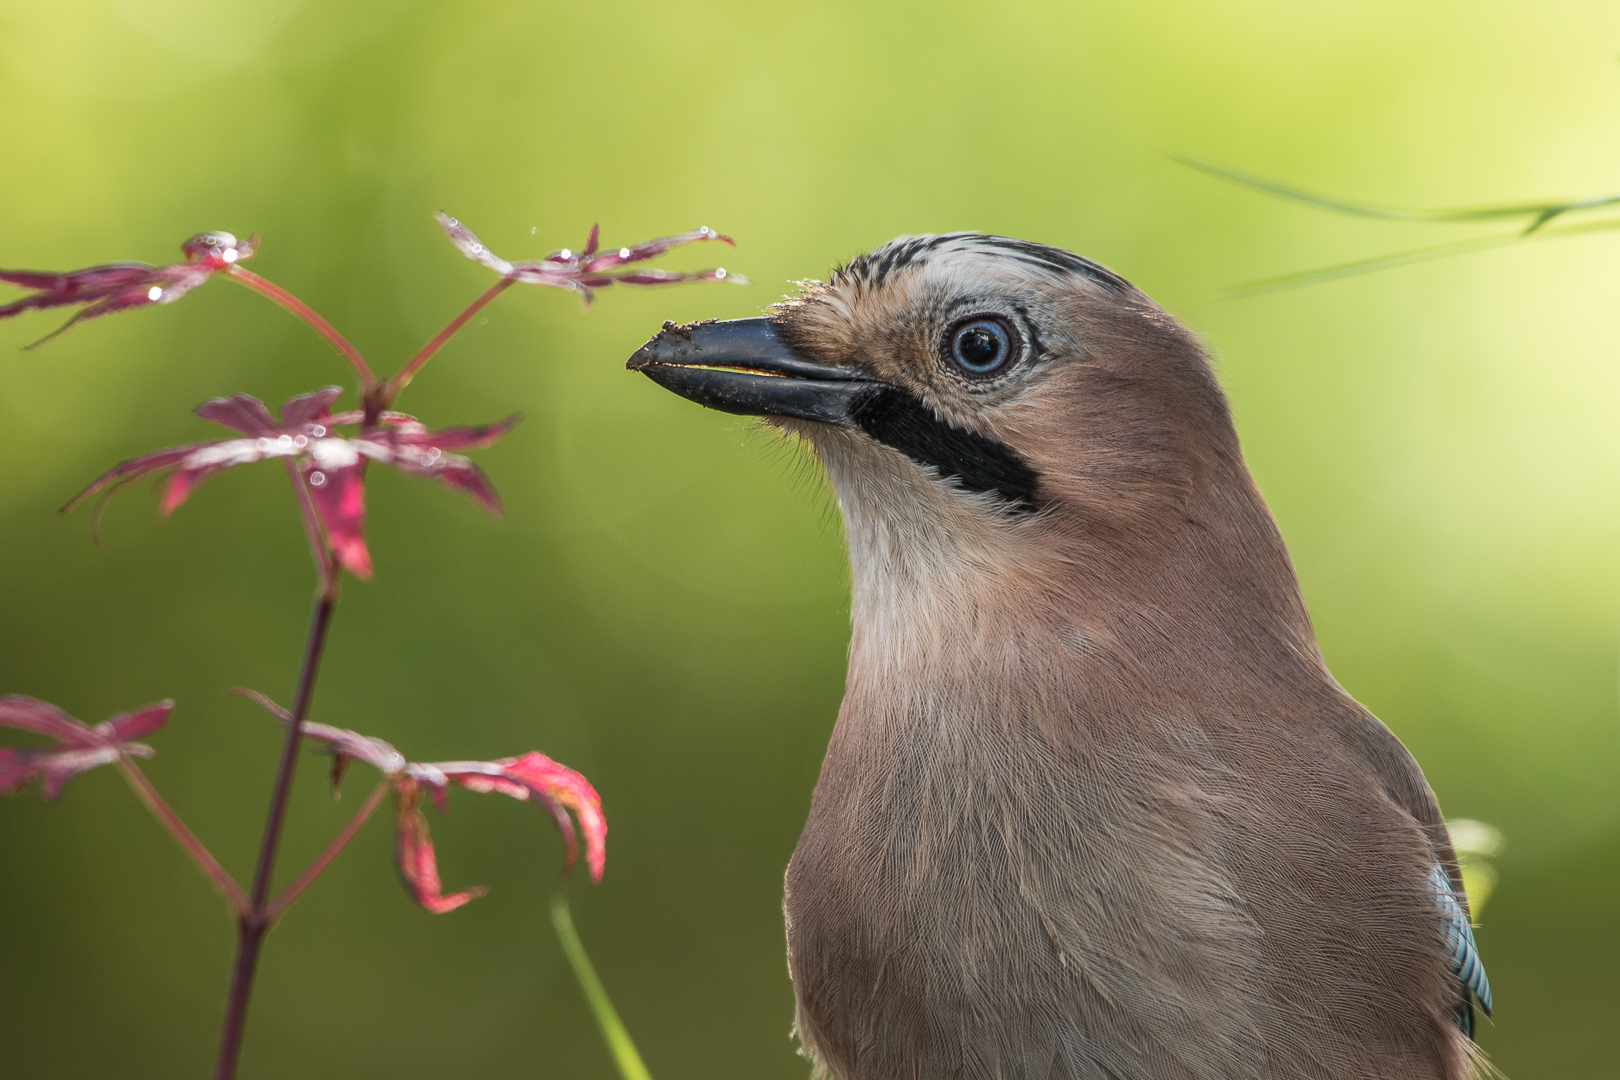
[(582, 271), (79, 748), (332, 466), (120, 286), (529, 777)]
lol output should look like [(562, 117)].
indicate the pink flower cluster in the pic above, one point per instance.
[(326, 455), (330, 465)]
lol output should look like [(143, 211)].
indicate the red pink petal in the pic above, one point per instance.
[(81, 748), (339, 493), (413, 851), (469, 245), (244, 412)]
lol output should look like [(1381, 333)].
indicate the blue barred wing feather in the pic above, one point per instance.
[(1461, 952)]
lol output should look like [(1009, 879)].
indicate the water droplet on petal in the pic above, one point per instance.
[(317, 430), (228, 255), (317, 479), (719, 273), (624, 253), (154, 294), (299, 442), (263, 445), (284, 442)]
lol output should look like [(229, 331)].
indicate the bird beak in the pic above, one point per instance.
[(742, 366)]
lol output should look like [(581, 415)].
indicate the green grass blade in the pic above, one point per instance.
[(1540, 212), (618, 1040), (1322, 202), (1384, 262)]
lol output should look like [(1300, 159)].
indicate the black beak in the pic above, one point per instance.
[(742, 367)]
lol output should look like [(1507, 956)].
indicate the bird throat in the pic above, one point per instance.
[(980, 464)]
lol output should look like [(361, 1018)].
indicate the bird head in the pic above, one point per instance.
[(998, 416), (982, 377)]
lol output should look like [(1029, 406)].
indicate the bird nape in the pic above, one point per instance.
[(1093, 805)]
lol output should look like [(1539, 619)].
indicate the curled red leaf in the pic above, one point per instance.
[(527, 777), (556, 787), (417, 861)]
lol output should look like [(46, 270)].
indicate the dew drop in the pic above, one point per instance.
[(299, 442), (317, 479), (262, 445), (154, 294), (565, 254), (624, 253), (719, 273), (229, 255), (317, 430), (284, 442)]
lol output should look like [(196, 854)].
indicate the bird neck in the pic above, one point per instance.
[(1193, 608)]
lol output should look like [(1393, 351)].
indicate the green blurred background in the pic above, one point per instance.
[(664, 604)]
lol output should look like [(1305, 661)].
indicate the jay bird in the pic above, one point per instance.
[(1093, 806)]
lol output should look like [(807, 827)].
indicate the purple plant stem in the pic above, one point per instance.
[(339, 842), (185, 837), (402, 378), (253, 924), (307, 314)]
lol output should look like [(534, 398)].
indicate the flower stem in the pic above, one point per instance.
[(290, 893), (618, 1040), (184, 836), (306, 313), (402, 378), (252, 925), (319, 552)]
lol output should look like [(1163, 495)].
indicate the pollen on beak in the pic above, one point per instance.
[(743, 366)]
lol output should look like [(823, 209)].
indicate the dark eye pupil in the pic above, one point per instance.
[(980, 347)]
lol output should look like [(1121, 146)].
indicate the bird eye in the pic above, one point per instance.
[(981, 346)]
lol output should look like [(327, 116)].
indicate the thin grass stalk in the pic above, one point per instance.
[(618, 1039)]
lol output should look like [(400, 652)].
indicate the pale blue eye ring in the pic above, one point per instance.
[(981, 346)]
